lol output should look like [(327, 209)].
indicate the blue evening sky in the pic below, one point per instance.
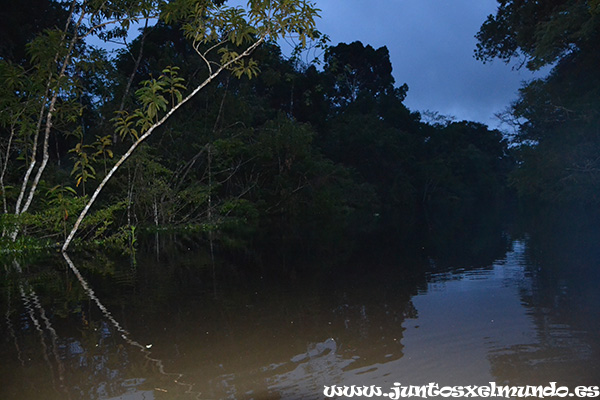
[(431, 45)]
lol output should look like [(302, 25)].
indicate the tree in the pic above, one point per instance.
[(51, 96), (48, 92), (217, 26), (542, 32), (463, 161), (355, 70), (557, 139), (559, 135)]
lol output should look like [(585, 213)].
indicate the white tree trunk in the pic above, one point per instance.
[(149, 132)]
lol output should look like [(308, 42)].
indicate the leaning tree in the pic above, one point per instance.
[(46, 91)]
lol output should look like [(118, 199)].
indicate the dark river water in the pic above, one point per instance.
[(172, 325)]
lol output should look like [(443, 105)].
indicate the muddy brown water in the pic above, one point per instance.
[(168, 328)]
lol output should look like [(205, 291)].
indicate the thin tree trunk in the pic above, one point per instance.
[(210, 186), (33, 151), (45, 155), (49, 115), (39, 124), (41, 115), (149, 132), (129, 195), (6, 158), (51, 109), (155, 210), (2, 187)]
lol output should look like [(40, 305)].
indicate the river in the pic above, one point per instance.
[(174, 325)]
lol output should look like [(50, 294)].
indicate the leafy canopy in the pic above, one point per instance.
[(540, 32)]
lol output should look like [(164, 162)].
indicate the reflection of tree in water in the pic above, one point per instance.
[(564, 305), (257, 331), (35, 321), (473, 236), (76, 354)]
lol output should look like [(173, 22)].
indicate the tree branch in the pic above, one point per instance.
[(125, 156)]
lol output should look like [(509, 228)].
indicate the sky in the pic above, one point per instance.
[(431, 45)]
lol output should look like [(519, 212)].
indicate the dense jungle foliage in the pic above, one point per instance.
[(556, 120), (274, 152)]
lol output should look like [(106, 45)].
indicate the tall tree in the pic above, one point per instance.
[(36, 100), (542, 32), (355, 70), (557, 117), (234, 34)]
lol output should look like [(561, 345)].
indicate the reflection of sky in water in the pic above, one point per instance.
[(462, 316), (465, 320)]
